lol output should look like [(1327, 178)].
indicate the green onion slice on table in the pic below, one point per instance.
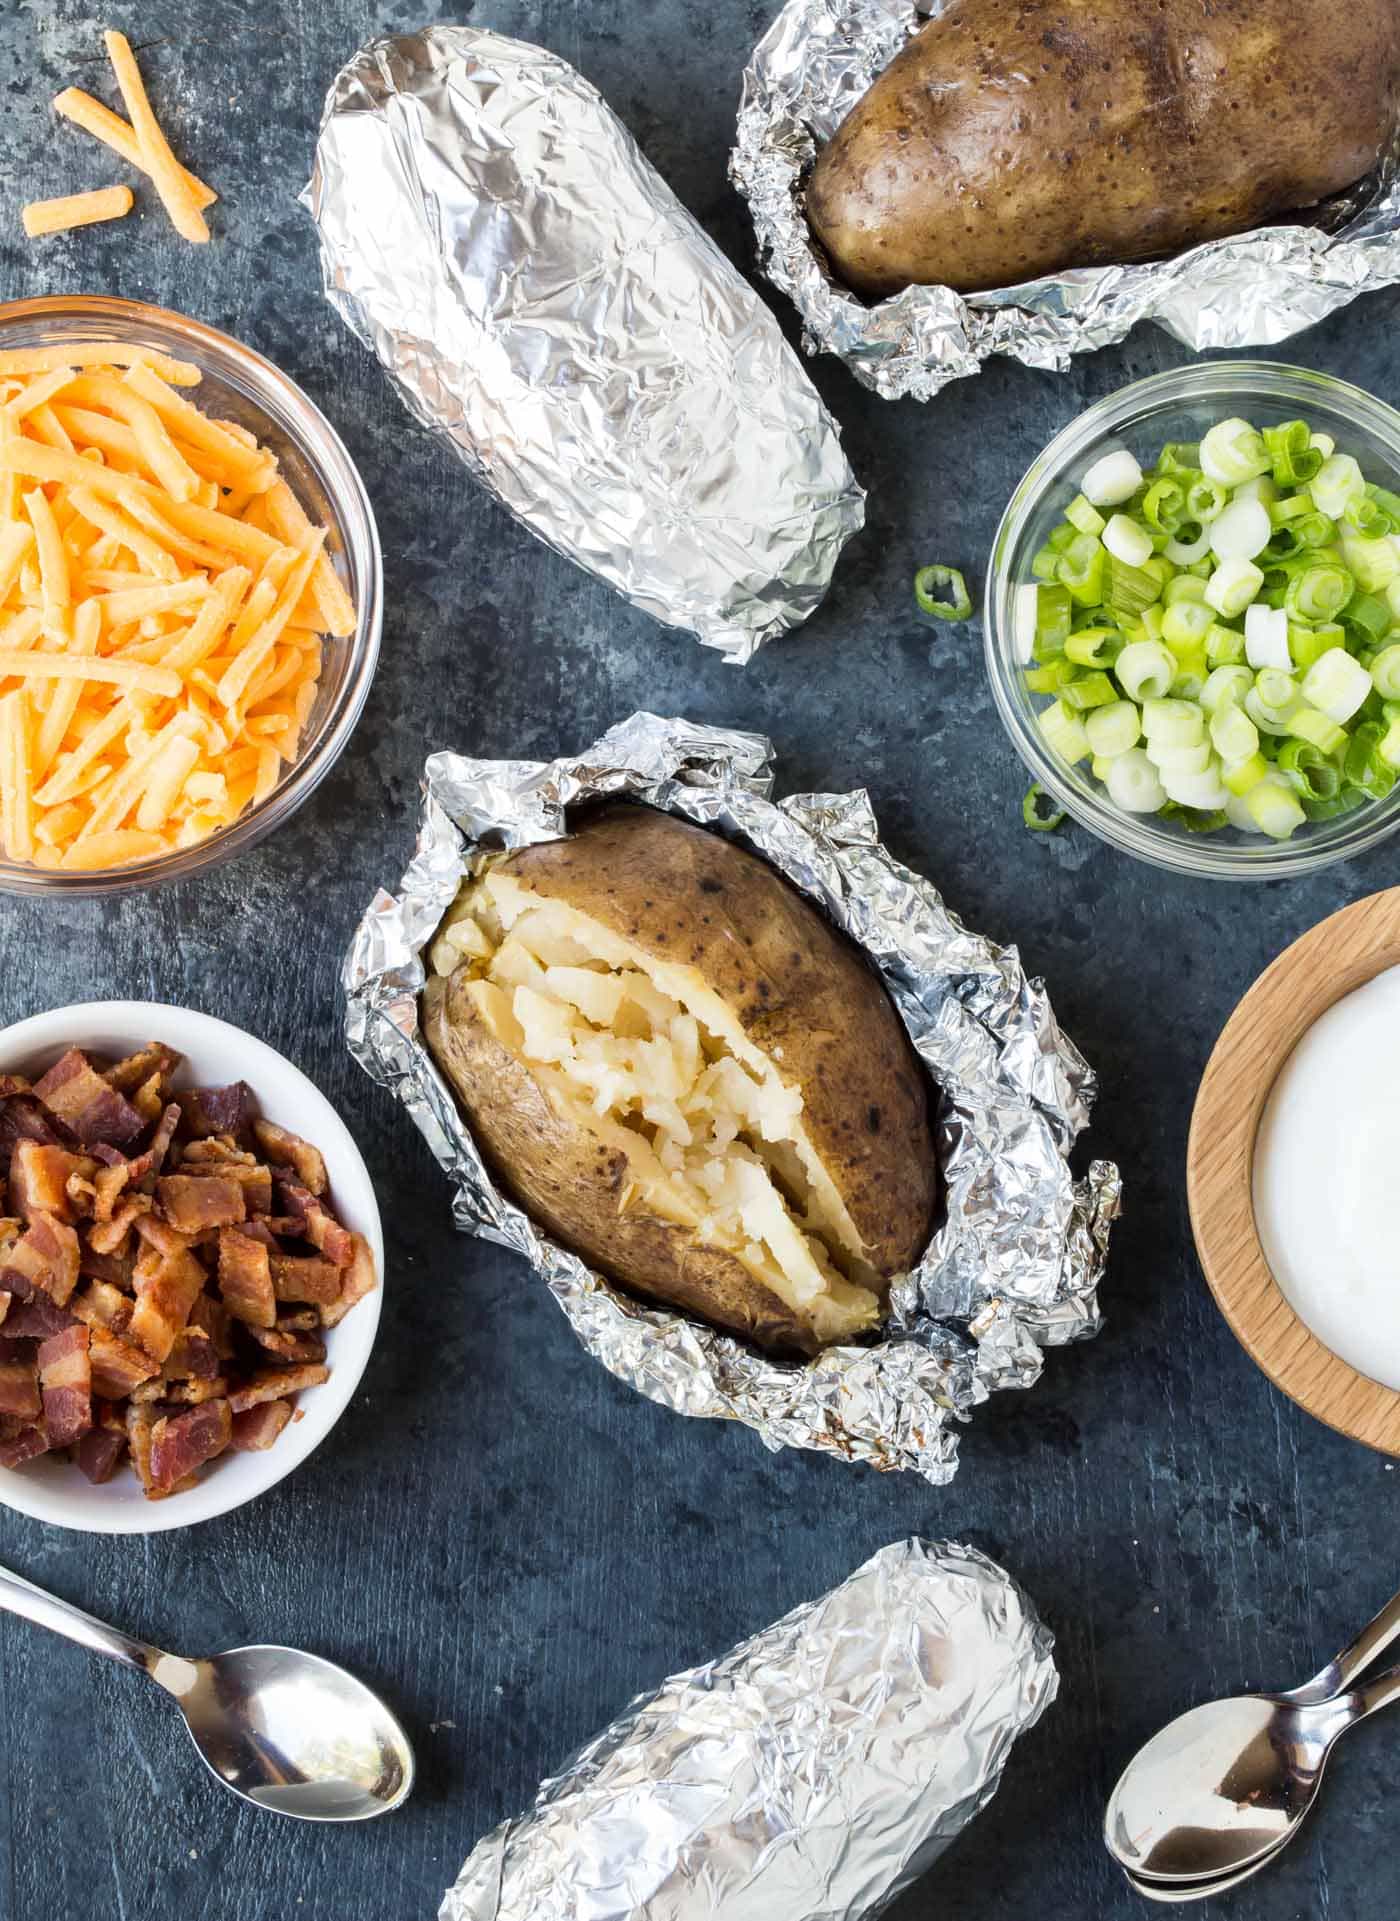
[(941, 592)]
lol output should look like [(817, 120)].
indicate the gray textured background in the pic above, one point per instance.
[(505, 1539)]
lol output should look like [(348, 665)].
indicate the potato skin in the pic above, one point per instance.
[(801, 991), (571, 1184), (1013, 138)]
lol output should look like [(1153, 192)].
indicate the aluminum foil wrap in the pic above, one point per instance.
[(810, 1775), (809, 70), (1014, 1266), (541, 297)]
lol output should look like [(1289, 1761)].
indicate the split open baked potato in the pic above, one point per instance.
[(685, 1074)]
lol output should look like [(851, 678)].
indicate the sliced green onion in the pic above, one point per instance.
[(1227, 687), (1064, 732), (1186, 622), (1307, 644), (1030, 811), (1366, 516), (1145, 669), (1233, 452), (1314, 530), (1204, 791), (1366, 619), (1190, 543), (1094, 646), (1364, 765), (1267, 719), (1389, 748), (1089, 690), (1112, 479), (1081, 569), (1224, 647), (1337, 482), (1318, 591), (1173, 723), (1126, 541), (1266, 637), (1179, 456), (1375, 562), (1242, 531), (1385, 673), (1385, 499), (1206, 500), (1113, 729), (1044, 562), (1336, 685), (1130, 589), (1274, 809), (1290, 448), (1240, 775), (1284, 543), (1084, 518), (1050, 679), (1054, 615), (1325, 445), (1133, 783), (1164, 505), (1171, 761), (1309, 772), (1277, 691), (929, 582), (1232, 586), (1310, 725)]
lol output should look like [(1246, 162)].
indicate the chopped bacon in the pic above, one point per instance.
[(109, 1237), (113, 1268), (102, 1305), (193, 1357), (190, 1392), (53, 1243), (214, 1317), (359, 1279), (19, 1390), (304, 1277), (109, 1184), (258, 1427), (117, 1366), (163, 1303), (140, 1420), (220, 1110), (245, 1278), (23, 1118), (75, 1091), (194, 1202), (98, 1453), (316, 1223), (65, 1377), (270, 1384), (135, 1069), (182, 1442), (35, 1318), (26, 1445), (149, 1098), (255, 1180), (12, 1084), (5, 1300), (40, 1176), (153, 1160), (287, 1348), (160, 1236), (290, 1150)]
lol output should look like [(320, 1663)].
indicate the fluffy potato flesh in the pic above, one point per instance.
[(649, 1060)]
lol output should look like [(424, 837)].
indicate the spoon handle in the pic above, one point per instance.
[(1354, 1659), (21, 1597), (1377, 1693)]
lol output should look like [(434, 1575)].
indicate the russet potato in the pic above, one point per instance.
[(683, 1072), (1013, 138)]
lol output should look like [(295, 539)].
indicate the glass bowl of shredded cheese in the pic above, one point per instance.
[(190, 596)]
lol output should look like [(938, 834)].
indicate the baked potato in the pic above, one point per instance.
[(1012, 138), (684, 1073)]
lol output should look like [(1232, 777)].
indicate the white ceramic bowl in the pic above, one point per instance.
[(214, 1054)]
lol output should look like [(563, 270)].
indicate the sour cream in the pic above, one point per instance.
[(1327, 1179)]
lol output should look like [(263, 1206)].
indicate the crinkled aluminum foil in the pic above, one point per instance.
[(490, 228), (808, 71), (1014, 1267), (810, 1775)]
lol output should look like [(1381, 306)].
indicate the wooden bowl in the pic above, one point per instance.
[(1339, 954)]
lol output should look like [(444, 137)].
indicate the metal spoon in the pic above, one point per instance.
[(282, 1729), (1224, 1785)]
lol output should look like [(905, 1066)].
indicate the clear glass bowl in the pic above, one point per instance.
[(239, 385), (1176, 406)]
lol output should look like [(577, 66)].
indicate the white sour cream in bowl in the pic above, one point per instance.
[(1327, 1179)]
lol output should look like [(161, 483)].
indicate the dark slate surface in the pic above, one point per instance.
[(504, 1538)]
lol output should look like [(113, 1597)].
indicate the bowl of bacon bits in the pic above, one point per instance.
[(190, 593), (190, 1253)]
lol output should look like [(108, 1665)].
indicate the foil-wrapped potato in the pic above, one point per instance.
[(686, 1075), (1013, 138)]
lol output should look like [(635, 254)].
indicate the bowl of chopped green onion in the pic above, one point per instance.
[(1193, 621)]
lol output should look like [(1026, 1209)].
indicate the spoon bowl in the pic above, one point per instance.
[(292, 1732)]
